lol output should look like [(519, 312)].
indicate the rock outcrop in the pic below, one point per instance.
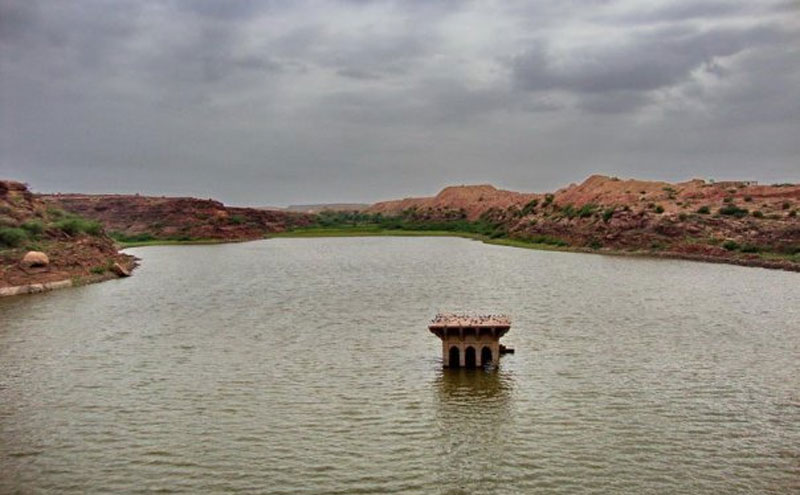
[(34, 259)]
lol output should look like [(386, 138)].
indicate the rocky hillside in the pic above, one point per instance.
[(41, 244), (472, 201), (739, 222), (135, 217)]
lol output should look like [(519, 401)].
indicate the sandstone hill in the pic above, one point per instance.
[(67, 248), (734, 221), (135, 217), (472, 200)]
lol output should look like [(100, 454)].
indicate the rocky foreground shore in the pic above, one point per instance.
[(44, 248)]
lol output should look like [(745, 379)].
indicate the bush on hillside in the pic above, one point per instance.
[(75, 225), (12, 236), (733, 210)]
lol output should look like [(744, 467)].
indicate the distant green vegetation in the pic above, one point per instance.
[(491, 226), (704, 210), (121, 237), (413, 220)]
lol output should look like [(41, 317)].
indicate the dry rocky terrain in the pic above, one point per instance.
[(68, 248), (135, 217), (737, 222)]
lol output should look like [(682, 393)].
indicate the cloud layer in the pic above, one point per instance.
[(262, 102)]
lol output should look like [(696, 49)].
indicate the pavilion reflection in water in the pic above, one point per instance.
[(474, 422)]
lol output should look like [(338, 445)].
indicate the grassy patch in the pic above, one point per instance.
[(33, 227), (76, 225), (12, 236), (123, 238)]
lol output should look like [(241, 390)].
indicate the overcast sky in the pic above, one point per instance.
[(279, 102)]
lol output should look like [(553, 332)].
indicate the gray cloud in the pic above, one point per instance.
[(643, 62), (259, 102)]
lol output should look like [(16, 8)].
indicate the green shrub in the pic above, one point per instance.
[(607, 214), (56, 213), (792, 214), (236, 219), (12, 236), (704, 210), (730, 245), (548, 199), (733, 210), (595, 244), (586, 210), (530, 207), (785, 205), (728, 200), (76, 225), (758, 214), (34, 227), (569, 211), (748, 199), (659, 209), (682, 216), (749, 248)]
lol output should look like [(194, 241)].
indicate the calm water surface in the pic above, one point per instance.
[(300, 366)]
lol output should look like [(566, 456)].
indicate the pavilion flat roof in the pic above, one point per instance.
[(443, 320)]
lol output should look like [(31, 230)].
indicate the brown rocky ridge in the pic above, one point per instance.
[(142, 218), (42, 247), (737, 222)]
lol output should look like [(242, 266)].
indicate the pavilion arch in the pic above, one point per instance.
[(470, 358), (486, 355), (454, 357)]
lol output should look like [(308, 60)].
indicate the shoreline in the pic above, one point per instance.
[(776, 263), (76, 281), (760, 262)]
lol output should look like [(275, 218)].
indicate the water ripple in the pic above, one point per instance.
[(304, 367)]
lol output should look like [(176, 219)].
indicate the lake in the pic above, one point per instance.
[(304, 366)]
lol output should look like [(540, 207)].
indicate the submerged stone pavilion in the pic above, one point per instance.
[(469, 341)]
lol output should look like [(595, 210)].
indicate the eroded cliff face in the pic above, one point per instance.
[(75, 250), (716, 221), (147, 217)]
